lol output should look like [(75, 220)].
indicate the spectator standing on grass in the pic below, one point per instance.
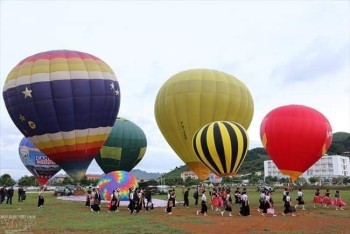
[(9, 195), (196, 196), (131, 205), (148, 196), (117, 196), (170, 202), (2, 194), (113, 202), (20, 194), (97, 200), (137, 201), (300, 199), (41, 199), (92, 199), (288, 208), (88, 197), (186, 195)]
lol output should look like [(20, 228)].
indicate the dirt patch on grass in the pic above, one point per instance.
[(314, 220)]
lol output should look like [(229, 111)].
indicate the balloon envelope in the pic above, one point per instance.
[(124, 148), (214, 179), (295, 137), (190, 99), (66, 103), (221, 146), (36, 162), (116, 179)]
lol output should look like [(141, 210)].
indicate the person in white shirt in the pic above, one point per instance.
[(288, 208), (204, 208), (300, 199), (245, 209)]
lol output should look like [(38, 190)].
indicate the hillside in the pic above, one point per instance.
[(255, 157), (142, 175), (340, 143)]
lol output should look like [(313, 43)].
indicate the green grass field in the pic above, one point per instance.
[(59, 216)]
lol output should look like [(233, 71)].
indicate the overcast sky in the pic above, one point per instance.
[(286, 52)]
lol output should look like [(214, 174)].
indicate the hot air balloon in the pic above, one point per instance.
[(124, 148), (295, 137), (116, 179), (221, 146), (36, 162), (214, 179), (190, 99), (66, 103)]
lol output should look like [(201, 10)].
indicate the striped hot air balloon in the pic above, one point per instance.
[(221, 146), (190, 99), (66, 103)]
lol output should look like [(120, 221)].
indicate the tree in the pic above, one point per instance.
[(6, 180), (152, 182), (27, 181), (346, 180), (313, 180), (170, 182), (67, 180)]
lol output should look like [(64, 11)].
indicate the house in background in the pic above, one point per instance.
[(188, 174)]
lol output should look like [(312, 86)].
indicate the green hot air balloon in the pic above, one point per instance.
[(124, 148)]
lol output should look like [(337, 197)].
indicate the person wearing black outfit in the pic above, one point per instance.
[(9, 195), (196, 196), (20, 194), (2, 194), (186, 200)]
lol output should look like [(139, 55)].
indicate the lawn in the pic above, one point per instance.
[(58, 216)]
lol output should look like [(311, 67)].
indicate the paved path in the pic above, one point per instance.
[(156, 202)]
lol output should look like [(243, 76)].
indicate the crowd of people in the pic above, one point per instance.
[(221, 200), (139, 199), (7, 193)]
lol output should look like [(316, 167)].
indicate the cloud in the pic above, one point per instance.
[(290, 53), (316, 61)]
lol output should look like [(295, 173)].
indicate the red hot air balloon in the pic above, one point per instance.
[(65, 102), (295, 137)]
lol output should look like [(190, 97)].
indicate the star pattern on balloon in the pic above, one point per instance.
[(112, 85), (117, 92), (27, 92), (22, 118)]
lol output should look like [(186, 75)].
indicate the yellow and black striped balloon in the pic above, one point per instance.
[(221, 146)]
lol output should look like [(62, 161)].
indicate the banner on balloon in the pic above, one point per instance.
[(41, 167)]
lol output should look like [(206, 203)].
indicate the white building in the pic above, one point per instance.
[(186, 174), (326, 167)]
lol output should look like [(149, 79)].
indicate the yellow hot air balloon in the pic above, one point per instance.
[(221, 146), (191, 99)]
